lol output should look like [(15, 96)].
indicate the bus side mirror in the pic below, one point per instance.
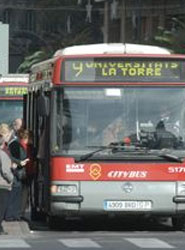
[(43, 105)]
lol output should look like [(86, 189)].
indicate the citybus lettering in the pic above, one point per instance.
[(127, 174)]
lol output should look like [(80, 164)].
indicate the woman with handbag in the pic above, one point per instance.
[(19, 159)]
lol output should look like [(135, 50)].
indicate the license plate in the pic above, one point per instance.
[(127, 205)]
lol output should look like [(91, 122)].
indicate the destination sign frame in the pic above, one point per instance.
[(122, 69)]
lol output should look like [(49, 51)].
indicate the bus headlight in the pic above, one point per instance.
[(180, 188), (64, 189)]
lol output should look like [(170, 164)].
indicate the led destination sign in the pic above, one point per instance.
[(123, 70), (12, 91)]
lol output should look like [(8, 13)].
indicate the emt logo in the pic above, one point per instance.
[(75, 168), (95, 171)]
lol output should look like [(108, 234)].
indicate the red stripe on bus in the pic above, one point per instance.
[(66, 169)]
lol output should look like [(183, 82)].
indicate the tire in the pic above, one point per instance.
[(178, 223), (37, 216)]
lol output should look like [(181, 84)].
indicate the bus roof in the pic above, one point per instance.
[(112, 48), (14, 78)]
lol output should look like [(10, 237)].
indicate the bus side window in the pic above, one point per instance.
[(43, 105), (66, 125)]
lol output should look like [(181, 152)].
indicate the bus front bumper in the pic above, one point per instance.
[(179, 199), (67, 199)]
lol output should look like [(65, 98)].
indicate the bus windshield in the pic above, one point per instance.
[(10, 110), (99, 116)]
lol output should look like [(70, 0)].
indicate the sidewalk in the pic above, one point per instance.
[(16, 228)]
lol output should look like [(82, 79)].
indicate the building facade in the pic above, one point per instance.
[(137, 21), (32, 26)]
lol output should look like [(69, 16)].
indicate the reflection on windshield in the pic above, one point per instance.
[(154, 117), (10, 110)]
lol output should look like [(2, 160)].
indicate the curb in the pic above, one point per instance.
[(16, 228)]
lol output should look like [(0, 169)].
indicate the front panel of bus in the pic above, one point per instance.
[(117, 147), (90, 119)]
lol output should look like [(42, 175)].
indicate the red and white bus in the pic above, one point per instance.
[(109, 128), (12, 89)]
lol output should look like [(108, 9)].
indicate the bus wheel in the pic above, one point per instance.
[(178, 223), (37, 215)]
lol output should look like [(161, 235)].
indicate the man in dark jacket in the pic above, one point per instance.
[(18, 157)]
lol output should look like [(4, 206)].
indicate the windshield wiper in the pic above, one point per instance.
[(171, 157), (115, 147), (89, 155)]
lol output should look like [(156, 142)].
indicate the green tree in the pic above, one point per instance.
[(30, 60), (55, 14), (83, 37), (173, 38)]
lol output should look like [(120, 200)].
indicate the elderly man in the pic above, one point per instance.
[(17, 124)]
